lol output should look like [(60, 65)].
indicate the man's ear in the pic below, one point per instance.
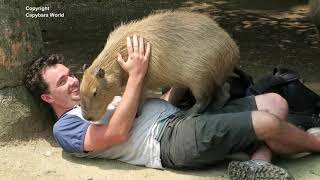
[(47, 98)]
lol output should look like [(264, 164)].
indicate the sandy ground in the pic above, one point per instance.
[(266, 37), (42, 159)]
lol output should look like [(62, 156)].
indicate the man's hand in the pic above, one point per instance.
[(138, 58)]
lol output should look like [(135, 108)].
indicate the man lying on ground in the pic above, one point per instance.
[(161, 137)]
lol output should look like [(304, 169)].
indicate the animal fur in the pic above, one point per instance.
[(188, 50)]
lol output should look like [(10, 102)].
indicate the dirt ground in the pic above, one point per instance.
[(267, 34), (41, 158)]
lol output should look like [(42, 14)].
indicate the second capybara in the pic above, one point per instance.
[(188, 50)]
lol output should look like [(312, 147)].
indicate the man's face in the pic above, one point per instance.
[(63, 87)]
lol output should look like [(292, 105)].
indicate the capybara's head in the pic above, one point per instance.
[(97, 90)]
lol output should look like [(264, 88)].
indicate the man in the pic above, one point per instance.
[(160, 136)]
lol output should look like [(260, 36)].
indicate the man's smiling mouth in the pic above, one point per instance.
[(75, 91)]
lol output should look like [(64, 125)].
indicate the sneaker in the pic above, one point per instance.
[(256, 170), (314, 131)]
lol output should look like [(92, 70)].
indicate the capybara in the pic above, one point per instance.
[(188, 50)]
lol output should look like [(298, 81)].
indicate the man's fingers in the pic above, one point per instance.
[(120, 60), (129, 46), (135, 43), (141, 46), (147, 55)]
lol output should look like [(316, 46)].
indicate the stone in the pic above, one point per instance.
[(20, 42)]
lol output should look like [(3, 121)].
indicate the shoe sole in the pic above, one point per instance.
[(240, 171)]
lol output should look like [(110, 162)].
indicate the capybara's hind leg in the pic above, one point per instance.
[(202, 101)]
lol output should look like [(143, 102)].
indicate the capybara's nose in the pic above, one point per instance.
[(87, 117)]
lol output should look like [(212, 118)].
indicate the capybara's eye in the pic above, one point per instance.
[(95, 93)]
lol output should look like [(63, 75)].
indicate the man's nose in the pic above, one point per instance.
[(73, 79)]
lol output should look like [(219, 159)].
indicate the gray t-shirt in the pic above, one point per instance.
[(142, 147)]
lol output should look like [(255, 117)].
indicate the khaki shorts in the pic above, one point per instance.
[(205, 139)]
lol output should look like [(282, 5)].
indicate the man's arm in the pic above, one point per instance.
[(99, 137)]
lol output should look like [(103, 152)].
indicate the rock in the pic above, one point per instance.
[(48, 153), (20, 114)]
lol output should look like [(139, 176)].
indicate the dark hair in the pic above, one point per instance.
[(34, 80)]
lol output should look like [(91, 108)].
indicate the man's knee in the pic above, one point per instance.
[(278, 100), (265, 124), (273, 103)]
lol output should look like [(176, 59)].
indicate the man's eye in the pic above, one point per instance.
[(61, 82)]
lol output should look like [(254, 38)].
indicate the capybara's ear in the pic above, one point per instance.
[(84, 67), (99, 73)]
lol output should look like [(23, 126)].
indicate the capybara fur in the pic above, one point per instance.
[(188, 50)]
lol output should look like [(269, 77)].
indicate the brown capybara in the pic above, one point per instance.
[(188, 50)]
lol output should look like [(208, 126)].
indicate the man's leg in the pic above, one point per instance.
[(272, 128), (276, 105), (259, 166), (280, 136), (273, 103), (262, 153)]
